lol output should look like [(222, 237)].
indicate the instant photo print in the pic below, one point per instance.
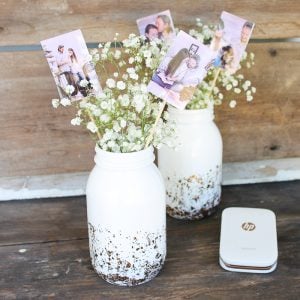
[(182, 69), (157, 26), (230, 41), (248, 241), (71, 66)]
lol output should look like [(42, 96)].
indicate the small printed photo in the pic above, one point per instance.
[(182, 69), (158, 26), (230, 41), (71, 66)]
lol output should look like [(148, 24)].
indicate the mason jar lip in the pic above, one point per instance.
[(188, 116), (189, 111), (149, 149)]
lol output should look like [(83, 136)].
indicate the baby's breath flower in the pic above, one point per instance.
[(228, 87), (104, 105), (55, 103), (125, 76), (76, 121), (65, 102), (104, 118), (110, 83), (91, 126), (121, 85), (116, 127), (134, 76), (232, 104), (117, 54), (123, 123), (69, 89)]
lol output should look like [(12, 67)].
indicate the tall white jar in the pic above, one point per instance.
[(126, 217), (193, 172)]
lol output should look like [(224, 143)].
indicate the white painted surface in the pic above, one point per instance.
[(192, 173), (74, 184), (126, 212)]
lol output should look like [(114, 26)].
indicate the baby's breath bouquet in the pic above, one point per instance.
[(227, 86), (122, 116), (125, 117)]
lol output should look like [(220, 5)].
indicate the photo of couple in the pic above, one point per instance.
[(69, 62), (230, 41), (158, 26), (183, 68)]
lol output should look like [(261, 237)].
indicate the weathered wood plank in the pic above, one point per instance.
[(36, 139), (56, 261), (28, 22)]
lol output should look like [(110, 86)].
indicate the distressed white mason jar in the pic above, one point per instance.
[(126, 217), (192, 173)]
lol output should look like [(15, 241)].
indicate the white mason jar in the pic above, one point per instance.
[(126, 217), (193, 172)]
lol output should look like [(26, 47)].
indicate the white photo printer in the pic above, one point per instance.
[(248, 241)]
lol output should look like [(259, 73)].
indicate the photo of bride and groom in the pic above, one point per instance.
[(68, 59), (183, 68), (157, 26)]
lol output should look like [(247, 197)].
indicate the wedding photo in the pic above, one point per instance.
[(230, 41), (183, 68), (157, 26), (69, 62)]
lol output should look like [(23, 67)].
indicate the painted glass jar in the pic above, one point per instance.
[(193, 172), (126, 217)]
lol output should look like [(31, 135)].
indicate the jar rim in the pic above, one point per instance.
[(129, 154), (189, 116), (117, 160), (189, 111)]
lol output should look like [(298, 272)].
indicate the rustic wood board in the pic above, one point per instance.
[(56, 261), (37, 139), (28, 22)]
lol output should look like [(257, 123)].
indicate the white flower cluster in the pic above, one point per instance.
[(125, 112), (123, 115)]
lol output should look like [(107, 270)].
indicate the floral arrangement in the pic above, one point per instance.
[(123, 116), (230, 84)]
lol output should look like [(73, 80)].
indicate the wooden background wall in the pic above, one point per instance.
[(35, 139)]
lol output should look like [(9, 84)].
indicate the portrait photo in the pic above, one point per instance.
[(157, 26), (70, 64), (182, 69), (230, 41)]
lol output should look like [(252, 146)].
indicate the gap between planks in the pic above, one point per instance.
[(73, 184)]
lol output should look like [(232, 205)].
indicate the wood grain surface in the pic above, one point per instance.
[(56, 264), (35, 139), (28, 22)]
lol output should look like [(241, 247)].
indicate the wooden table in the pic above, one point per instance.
[(44, 252)]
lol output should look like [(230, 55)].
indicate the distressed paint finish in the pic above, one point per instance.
[(126, 210), (193, 171), (127, 259), (194, 197)]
